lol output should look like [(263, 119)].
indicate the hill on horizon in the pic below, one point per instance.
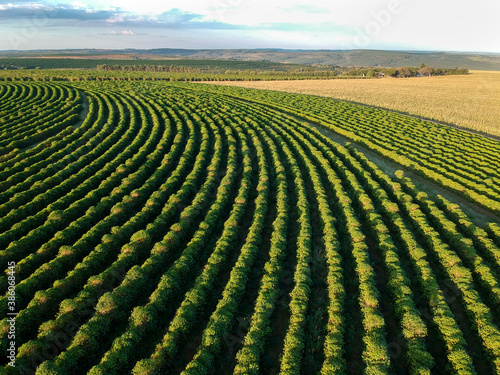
[(379, 58)]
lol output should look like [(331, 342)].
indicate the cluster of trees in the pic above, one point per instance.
[(7, 66), (149, 68), (223, 67), (208, 73), (404, 72), (221, 72), (139, 64), (128, 75)]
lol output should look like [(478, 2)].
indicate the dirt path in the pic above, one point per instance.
[(477, 214)]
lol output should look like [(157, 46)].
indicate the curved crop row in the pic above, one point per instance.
[(202, 230)]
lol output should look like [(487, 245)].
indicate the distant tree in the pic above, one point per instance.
[(405, 72), (426, 70)]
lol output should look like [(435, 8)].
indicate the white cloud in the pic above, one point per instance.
[(33, 6), (123, 32), (78, 5)]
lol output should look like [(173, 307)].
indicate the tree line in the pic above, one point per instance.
[(404, 72)]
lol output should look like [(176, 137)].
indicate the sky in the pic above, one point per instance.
[(443, 25)]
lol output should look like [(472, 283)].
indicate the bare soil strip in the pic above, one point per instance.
[(477, 214)]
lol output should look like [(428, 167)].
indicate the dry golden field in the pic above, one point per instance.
[(471, 101)]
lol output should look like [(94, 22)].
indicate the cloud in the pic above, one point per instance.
[(30, 10), (327, 27), (178, 16), (123, 32), (78, 5), (174, 18)]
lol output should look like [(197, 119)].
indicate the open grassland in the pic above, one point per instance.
[(471, 101)]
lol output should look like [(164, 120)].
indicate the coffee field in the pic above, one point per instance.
[(470, 101), (180, 228)]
